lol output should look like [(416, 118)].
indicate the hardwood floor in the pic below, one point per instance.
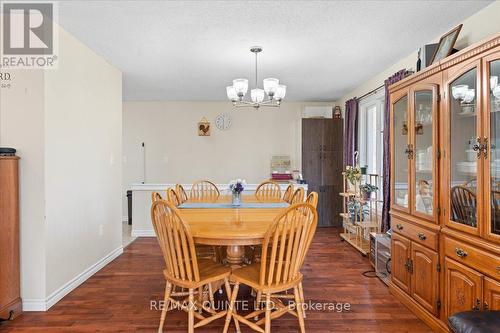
[(117, 298)]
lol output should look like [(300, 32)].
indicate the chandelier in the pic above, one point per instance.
[(275, 92)]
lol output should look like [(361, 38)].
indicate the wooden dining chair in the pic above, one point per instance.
[(298, 196), (185, 270), (312, 199), (268, 190), (463, 205), (202, 251), (181, 193), (155, 196), (204, 190), (284, 248), (287, 196), (172, 197)]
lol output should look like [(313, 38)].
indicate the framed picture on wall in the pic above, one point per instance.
[(204, 127), (445, 45)]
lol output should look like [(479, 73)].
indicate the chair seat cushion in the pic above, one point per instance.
[(475, 322)]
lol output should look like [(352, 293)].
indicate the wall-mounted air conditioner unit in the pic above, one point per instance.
[(317, 112)]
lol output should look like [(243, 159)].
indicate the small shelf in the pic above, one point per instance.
[(356, 233), (345, 215), (359, 244), (368, 224)]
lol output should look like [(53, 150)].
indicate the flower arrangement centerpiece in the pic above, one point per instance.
[(236, 187)]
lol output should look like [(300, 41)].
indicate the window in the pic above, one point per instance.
[(370, 134)]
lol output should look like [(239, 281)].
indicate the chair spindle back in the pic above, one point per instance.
[(172, 197), (176, 242), (204, 190), (312, 199), (286, 244), (268, 190), (298, 196)]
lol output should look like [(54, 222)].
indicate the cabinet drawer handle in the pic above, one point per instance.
[(460, 253), (399, 226), (422, 236), (477, 305)]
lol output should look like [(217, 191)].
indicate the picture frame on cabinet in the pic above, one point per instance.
[(446, 43)]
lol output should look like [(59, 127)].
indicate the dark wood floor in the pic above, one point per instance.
[(117, 298)]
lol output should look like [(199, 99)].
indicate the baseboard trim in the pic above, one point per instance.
[(56, 296), (434, 323), (143, 233)]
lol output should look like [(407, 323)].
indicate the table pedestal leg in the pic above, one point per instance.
[(235, 254)]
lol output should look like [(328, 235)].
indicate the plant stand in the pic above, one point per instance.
[(365, 219)]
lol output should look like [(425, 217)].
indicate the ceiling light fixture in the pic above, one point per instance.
[(274, 91)]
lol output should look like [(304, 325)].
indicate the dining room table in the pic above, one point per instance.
[(218, 222)]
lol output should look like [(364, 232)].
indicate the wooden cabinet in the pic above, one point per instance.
[(10, 301), (491, 295), (400, 256), (322, 163), (464, 286), (445, 184), (424, 282), (414, 133), (415, 271)]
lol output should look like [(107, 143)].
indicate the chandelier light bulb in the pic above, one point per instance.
[(270, 86), (280, 92), (257, 95), (241, 86), (231, 93)]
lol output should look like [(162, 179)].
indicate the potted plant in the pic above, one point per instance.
[(236, 187), (353, 175), (367, 190), (357, 211)]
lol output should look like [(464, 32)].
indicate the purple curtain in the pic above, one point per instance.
[(386, 177), (350, 131)]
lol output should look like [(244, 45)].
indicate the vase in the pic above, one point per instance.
[(236, 199)]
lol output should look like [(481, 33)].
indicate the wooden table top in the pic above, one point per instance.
[(230, 226)]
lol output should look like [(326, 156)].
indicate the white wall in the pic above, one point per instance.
[(66, 124), (83, 170), (175, 153), (21, 127), (479, 26)]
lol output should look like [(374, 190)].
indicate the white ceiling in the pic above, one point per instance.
[(191, 50)]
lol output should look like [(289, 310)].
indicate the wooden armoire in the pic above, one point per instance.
[(445, 185), (322, 156), (10, 301)]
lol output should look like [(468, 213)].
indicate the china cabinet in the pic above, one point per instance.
[(10, 299), (445, 185)]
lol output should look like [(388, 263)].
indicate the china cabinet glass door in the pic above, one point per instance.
[(401, 152), (491, 147), (425, 122), (464, 152)]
